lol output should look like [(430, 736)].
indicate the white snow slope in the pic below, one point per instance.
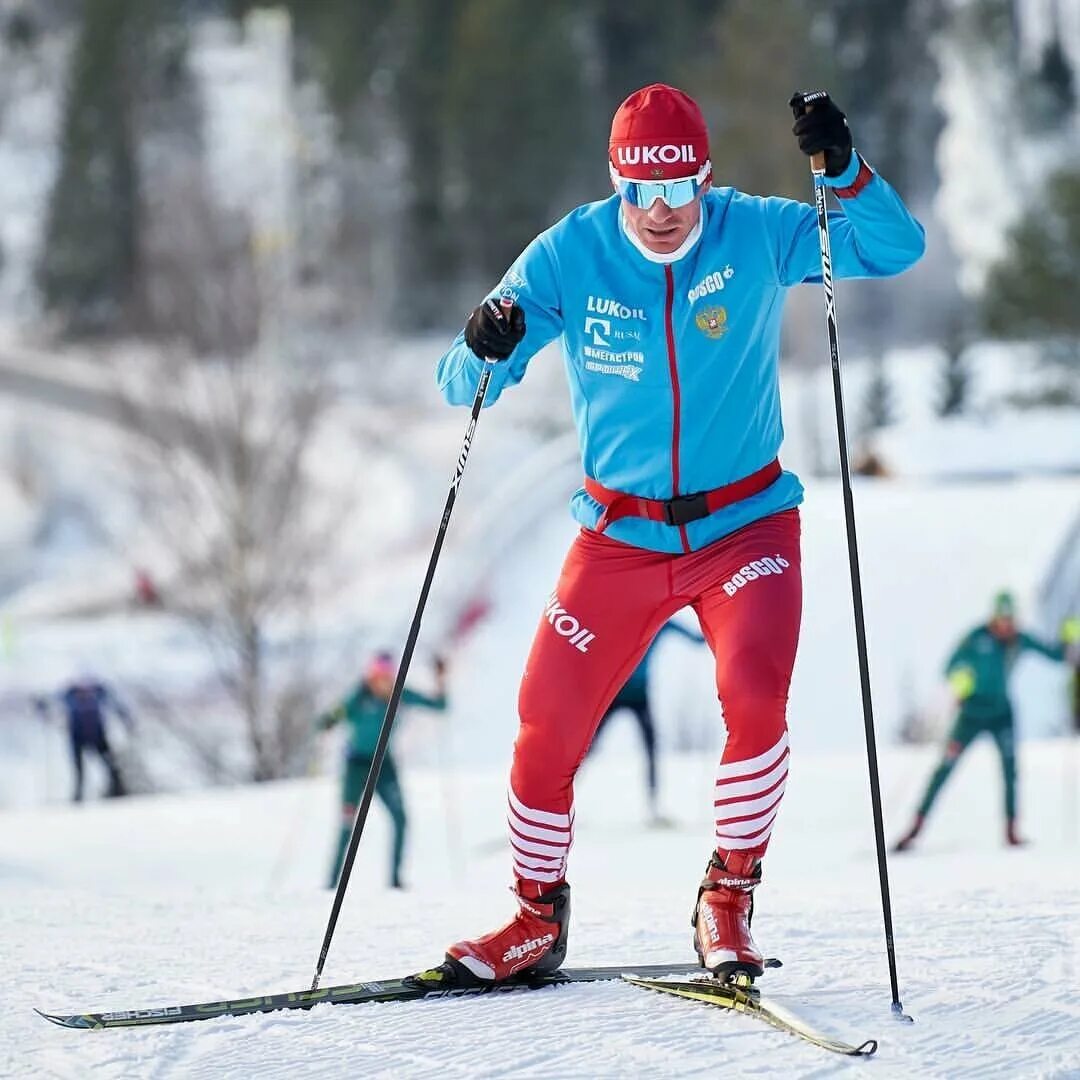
[(177, 899), (181, 898)]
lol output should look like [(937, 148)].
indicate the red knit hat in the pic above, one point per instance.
[(658, 133)]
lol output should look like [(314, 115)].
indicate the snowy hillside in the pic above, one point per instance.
[(169, 900)]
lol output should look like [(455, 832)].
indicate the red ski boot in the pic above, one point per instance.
[(722, 914), (534, 940)]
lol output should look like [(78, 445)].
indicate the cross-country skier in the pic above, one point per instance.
[(634, 696), (668, 298), (85, 703), (363, 711), (978, 673)]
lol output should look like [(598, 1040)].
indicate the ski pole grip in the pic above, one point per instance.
[(817, 161), (801, 105), (505, 307)]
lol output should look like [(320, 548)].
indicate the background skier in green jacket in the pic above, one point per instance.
[(363, 711), (978, 672)]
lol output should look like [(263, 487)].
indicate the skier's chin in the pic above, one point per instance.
[(662, 241)]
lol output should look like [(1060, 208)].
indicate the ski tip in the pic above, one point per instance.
[(867, 1048), (63, 1021)]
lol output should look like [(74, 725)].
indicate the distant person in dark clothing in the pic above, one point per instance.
[(85, 702), (363, 710), (634, 696), (978, 672)]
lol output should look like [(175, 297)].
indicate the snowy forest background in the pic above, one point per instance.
[(365, 153), (235, 236)]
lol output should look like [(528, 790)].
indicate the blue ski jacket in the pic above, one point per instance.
[(674, 367)]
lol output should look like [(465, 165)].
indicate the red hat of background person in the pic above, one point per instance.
[(658, 133)]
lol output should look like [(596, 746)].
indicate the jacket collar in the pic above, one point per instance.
[(683, 249)]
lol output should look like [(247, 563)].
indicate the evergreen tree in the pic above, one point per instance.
[(516, 162), (1049, 96), (88, 261), (877, 410), (955, 379), (1031, 293)]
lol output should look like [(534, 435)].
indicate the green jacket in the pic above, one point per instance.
[(364, 713), (987, 662)]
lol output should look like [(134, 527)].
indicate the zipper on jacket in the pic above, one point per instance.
[(676, 403)]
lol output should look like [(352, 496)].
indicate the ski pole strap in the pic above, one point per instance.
[(682, 509)]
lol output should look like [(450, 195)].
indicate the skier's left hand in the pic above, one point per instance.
[(822, 128)]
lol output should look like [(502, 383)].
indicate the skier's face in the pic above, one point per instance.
[(660, 228), (381, 684), (1003, 627)]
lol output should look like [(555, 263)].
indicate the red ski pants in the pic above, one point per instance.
[(610, 601)]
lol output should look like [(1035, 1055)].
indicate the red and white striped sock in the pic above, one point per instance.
[(540, 842), (748, 796)]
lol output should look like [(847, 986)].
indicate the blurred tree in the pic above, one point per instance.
[(882, 74), (224, 452), (1049, 93), (633, 45), (426, 36), (88, 260), (184, 239), (1031, 293), (955, 374), (877, 405), (756, 56), (511, 171), (430, 203), (883, 56)]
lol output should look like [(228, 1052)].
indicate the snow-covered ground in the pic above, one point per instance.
[(200, 895), (176, 899)]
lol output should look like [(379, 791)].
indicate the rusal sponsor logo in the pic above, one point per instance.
[(759, 568), (565, 625), (667, 154)]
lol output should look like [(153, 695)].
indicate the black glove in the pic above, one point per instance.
[(493, 331), (820, 128)]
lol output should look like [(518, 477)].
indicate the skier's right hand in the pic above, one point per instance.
[(493, 331)]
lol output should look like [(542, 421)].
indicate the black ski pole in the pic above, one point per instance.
[(817, 168), (403, 669)]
